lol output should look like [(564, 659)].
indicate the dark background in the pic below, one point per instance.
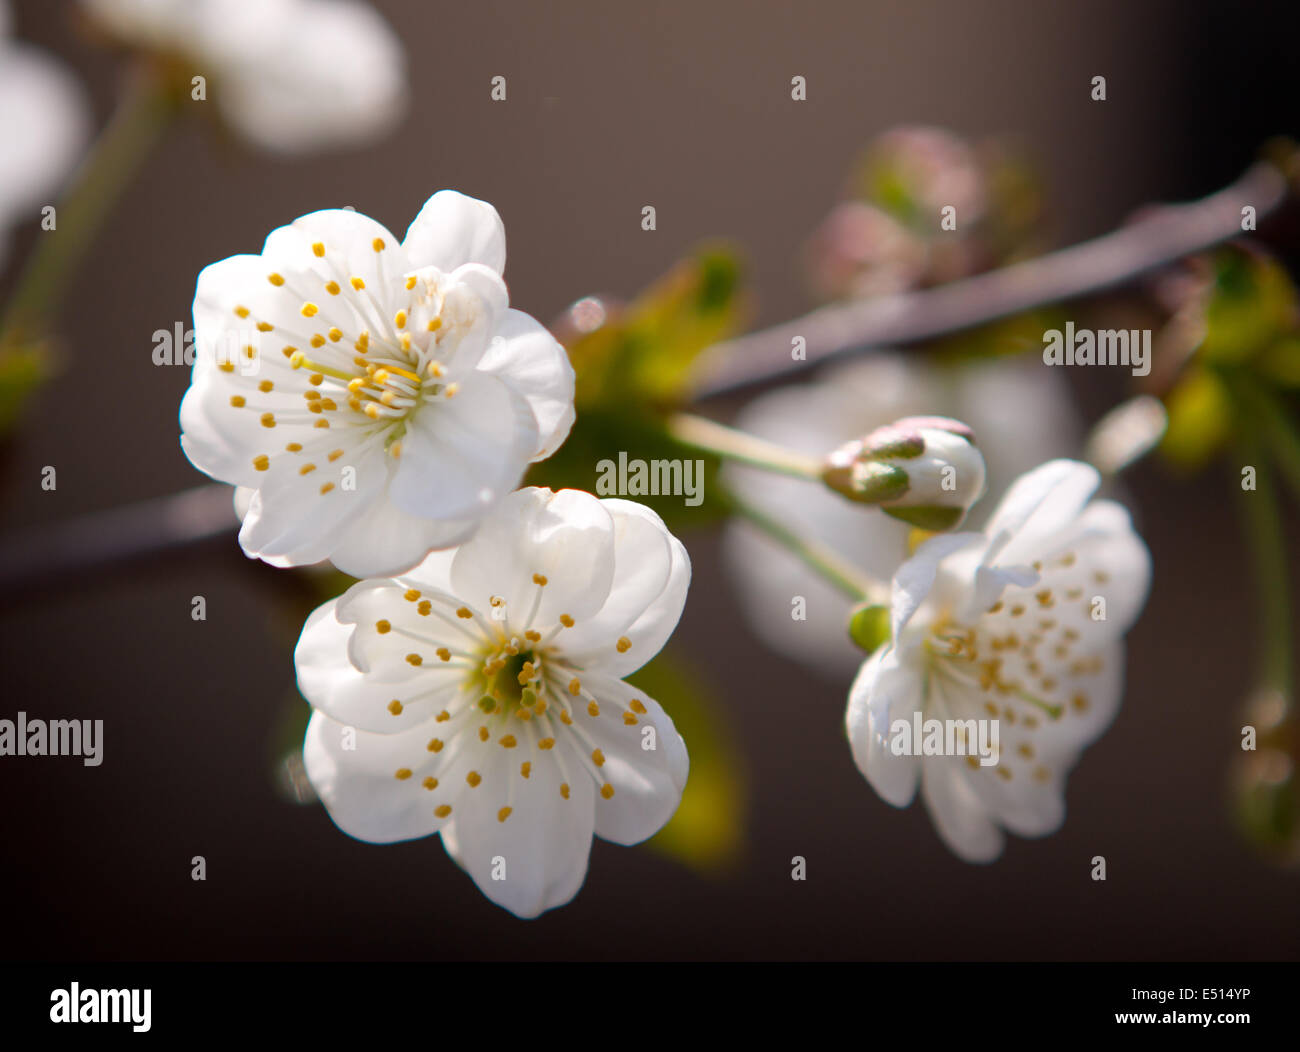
[(684, 105)]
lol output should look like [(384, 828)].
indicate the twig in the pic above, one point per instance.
[(49, 555), (709, 436), (1159, 237)]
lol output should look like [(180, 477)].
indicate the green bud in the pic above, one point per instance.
[(869, 626)]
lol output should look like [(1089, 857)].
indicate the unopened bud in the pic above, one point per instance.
[(869, 625), (924, 470)]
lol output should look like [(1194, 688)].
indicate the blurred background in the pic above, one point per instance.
[(687, 107)]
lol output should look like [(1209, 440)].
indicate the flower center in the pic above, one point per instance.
[(955, 652), (507, 687)]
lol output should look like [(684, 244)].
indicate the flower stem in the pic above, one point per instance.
[(141, 117), (711, 437), (1282, 436), (817, 556), (1263, 521)]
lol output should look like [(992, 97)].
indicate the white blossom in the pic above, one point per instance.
[(377, 397), (289, 75), (481, 695), (1022, 624), (44, 123)]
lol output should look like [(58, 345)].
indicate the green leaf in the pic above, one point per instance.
[(708, 830), (642, 354), (1280, 362), (1251, 306), (1200, 419), (23, 369), (632, 369)]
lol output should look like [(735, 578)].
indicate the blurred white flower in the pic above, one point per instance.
[(1126, 434), (1020, 413), (1022, 624), (379, 397), (481, 695), (44, 123), (291, 76)]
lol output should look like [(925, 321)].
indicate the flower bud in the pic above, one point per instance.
[(869, 626), (924, 470)]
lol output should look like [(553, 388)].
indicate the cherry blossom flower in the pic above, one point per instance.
[(44, 123), (481, 695), (377, 397), (290, 76), (1022, 624)]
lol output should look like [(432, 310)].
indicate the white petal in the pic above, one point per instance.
[(299, 517), (958, 814), (1039, 504), (397, 629), (460, 454), (474, 302), (329, 73), (1086, 697), (1023, 793), (328, 678), (652, 572), (647, 771), (536, 859), (915, 578), (565, 537), (527, 356), (896, 692), (453, 229), (387, 540), (359, 785), (1101, 554), (347, 241), (433, 573)]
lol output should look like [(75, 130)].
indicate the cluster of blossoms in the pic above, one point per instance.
[(377, 402)]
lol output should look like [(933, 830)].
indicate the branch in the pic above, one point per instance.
[(43, 557), (1159, 237)]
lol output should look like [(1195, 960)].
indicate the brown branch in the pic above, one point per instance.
[(1162, 235), (46, 556)]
